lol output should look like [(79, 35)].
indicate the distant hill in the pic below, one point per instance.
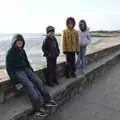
[(106, 31)]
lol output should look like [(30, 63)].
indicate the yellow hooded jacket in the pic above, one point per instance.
[(70, 41)]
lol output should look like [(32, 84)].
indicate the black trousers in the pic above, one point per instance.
[(51, 70), (70, 58)]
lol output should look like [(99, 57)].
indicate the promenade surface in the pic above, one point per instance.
[(99, 102)]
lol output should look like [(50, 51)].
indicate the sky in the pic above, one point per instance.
[(33, 16)]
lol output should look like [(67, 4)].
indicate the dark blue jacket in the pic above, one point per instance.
[(16, 59), (50, 47)]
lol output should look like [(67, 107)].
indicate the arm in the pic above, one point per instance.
[(45, 47), (89, 38), (10, 67), (63, 42), (28, 63), (77, 42), (57, 47)]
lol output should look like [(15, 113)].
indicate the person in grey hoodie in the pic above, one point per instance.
[(22, 74), (85, 39)]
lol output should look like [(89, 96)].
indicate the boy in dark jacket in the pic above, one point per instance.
[(21, 73), (51, 52)]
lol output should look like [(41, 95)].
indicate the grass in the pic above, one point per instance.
[(99, 34), (2, 67), (96, 42)]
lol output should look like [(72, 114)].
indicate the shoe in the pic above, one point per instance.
[(52, 103), (82, 72), (56, 82), (40, 114), (43, 109), (51, 84), (73, 75), (67, 76)]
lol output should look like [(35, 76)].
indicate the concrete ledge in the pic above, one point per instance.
[(92, 57), (7, 90), (97, 63), (73, 87)]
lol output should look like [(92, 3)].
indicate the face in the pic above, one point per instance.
[(70, 24), (51, 33), (19, 43), (82, 24)]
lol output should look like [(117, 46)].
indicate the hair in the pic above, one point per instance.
[(50, 28), (85, 25), (72, 20)]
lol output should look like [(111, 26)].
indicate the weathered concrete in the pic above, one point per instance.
[(99, 102), (92, 48), (7, 91), (67, 88), (71, 87)]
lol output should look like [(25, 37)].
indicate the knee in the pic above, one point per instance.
[(40, 82), (32, 92), (29, 85)]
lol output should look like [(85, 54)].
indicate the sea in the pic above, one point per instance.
[(32, 46)]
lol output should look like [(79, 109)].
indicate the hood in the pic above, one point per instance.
[(72, 20), (85, 30), (17, 37)]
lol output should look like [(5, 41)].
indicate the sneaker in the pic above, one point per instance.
[(73, 75), (51, 84), (67, 76), (82, 72), (56, 82), (43, 110), (52, 103), (40, 114)]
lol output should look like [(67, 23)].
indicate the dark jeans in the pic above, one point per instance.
[(32, 83), (51, 70), (80, 64), (82, 56), (70, 58)]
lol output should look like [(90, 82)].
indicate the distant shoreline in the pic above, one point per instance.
[(101, 33), (95, 34), (59, 34), (105, 33)]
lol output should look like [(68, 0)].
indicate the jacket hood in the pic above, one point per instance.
[(17, 37), (85, 30), (72, 20)]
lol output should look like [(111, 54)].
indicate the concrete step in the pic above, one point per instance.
[(18, 107), (7, 91)]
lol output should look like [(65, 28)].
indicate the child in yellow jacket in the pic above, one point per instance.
[(70, 45)]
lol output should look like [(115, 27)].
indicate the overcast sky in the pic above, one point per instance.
[(33, 16)]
